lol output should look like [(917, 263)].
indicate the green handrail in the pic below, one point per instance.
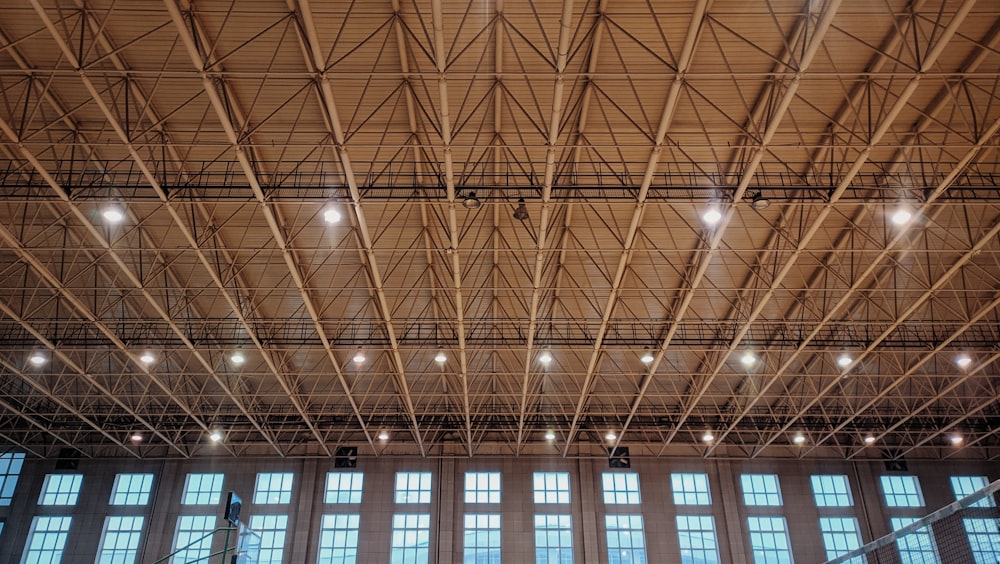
[(223, 552)]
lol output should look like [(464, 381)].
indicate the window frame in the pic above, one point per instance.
[(765, 497), (191, 496), (277, 484), (132, 536), (131, 495), (486, 487), (66, 492), (618, 488), (344, 552), (554, 488), (690, 496)]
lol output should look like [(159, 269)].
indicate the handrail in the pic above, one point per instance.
[(225, 548)]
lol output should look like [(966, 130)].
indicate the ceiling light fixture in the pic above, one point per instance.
[(869, 439), (550, 435), (708, 437), (956, 439), (359, 357), (237, 358), (216, 436), (383, 435), (844, 360), (748, 359), (440, 357), (147, 358), (113, 215), (136, 437), (902, 215), (471, 202), (759, 201), (331, 215), (963, 361), (712, 215), (545, 357), (37, 359), (647, 356), (611, 436), (799, 438), (521, 213)]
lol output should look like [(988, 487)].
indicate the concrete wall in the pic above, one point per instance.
[(447, 506)]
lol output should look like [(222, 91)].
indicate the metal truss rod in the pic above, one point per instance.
[(698, 15), (69, 362), (877, 134), (703, 261), (926, 119), (441, 63), (133, 279), (953, 384), (314, 59)]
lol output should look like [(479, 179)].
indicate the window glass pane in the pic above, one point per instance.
[(482, 487), (553, 539), (271, 529), (482, 539), (620, 488), (10, 470), (338, 539), (411, 534), (202, 489), (984, 540), (967, 485), (120, 540), (697, 539), (551, 487), (690, 489), (832, 491), (60, 489), (626, 539), (760, 489), (769, 540), (902, 491), (46, 540), (916, 547), (344, 487), (273, 487), (413, 487), (840, 536), (131, 489), (194, 535)]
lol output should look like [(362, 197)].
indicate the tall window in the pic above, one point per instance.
[(626, 539), (620, 488), (271, 529), (916, 547), (273, 487), (60, 489), (131, 489), (411, 537), (840, 536), (832, 491), (902, 491), (338, 539), (120, 539), (984, 540), (551, 487), (553, 539), (760, 489), (482, 539), (10, 469), (344, 487), (202, 489), (413, 487), (697, 538), (690, 489), (46, 540), (482, 487), (194, 535), (967, 485), (769, 540)]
